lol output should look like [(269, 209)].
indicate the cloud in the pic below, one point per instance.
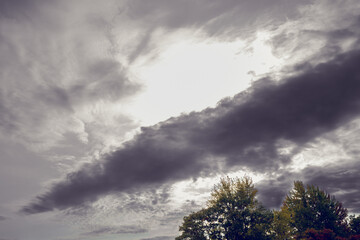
[(329, 161), (339, 180), (244, 131), (324, 29), (11, 9), (224, 20), (116, 230), (55, 69), (103, 80), (216, 17), (2, 218), (272, 192), (159, 238)]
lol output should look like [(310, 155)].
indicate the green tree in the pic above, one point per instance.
[(193, 226), (355, 224), (232, 213), (282, 224), (311, 207)]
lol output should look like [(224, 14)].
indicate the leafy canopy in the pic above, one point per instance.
[(232, 213), (311, 207)]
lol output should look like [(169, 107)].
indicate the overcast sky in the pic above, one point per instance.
[(118, 117)]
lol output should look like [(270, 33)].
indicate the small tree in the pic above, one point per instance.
[(232, 213), (311, 207)]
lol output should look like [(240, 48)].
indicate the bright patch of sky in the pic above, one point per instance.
[(193, 74)]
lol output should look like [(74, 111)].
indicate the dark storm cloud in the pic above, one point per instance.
[(271, 193), (341, 181), (14, 9), (244, 131)]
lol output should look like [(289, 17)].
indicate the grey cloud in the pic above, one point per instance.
[(333, 32), (215, 17), (243, 132), (303, 38), (116, 230), (16, 9), (227, 19), (338, 176), (149, 200), (341, 181), (130, 229), (159, 238), (143, 47), (272, 192), (2, 218), (174, 217), (7, 124), (103, 79), (49, 70)]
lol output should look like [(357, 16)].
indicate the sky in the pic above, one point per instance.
[(118, 117)]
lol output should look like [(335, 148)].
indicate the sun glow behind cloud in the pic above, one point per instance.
[(194, 74)]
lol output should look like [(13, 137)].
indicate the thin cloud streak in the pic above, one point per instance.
[(115, 230), (219, 20), (243, 132)]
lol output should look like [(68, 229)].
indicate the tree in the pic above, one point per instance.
[(355, 224), (232, 213), (311, 207), (193, 226), (281, 225), (325, 234)]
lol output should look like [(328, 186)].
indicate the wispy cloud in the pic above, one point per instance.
[(116, 230), (52, 75), (223, 20)]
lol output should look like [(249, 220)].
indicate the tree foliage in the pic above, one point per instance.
[(233, 212), (311, 207), (355, 224), (282, 223), (325, 234)]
